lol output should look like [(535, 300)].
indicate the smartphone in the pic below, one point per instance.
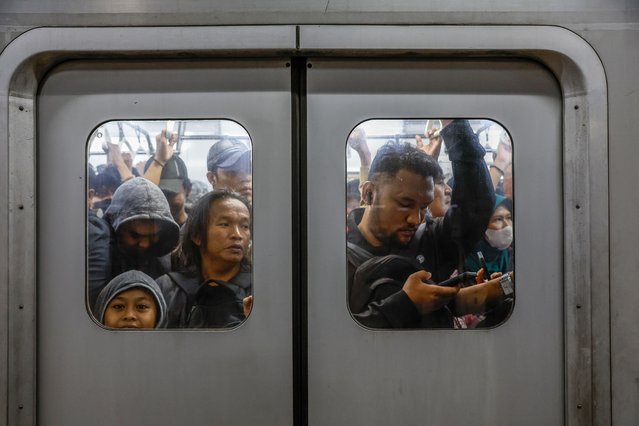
[(482, 262), (458, 279)]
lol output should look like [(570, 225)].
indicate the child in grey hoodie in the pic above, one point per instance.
[(131, 300)]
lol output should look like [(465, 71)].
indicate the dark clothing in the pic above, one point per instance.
[(99, 255), (127, 281), (136, 199), (140, 199), (378, 282), (441, 245), (193, 303), (496, 260)]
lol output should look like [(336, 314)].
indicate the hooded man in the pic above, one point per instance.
[(142, 232)]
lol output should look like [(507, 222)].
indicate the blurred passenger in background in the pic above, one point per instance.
[(357, 141), (496, 244), (167, 170), (229, 165), (502, 161), (353, 196), (442, 196)]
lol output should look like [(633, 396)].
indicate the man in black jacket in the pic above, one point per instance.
[(399, 188), (213, 288)]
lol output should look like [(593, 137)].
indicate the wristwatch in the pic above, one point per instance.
[(506, 284)]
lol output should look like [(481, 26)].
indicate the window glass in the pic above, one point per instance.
[(169, 224), (430, 219)]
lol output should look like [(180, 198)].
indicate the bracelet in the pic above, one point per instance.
[(492, 166), (161, 164)]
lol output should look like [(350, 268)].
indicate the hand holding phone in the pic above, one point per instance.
[(458, 279)]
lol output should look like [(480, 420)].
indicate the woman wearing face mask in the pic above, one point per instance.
[(497, 240)]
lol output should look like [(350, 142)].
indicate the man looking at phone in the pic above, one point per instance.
[(399, 188)]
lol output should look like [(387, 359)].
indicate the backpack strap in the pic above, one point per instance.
[(357, 255), (189, 285)]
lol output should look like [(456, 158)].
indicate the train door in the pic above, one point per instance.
[(88, 374), (510, 374)]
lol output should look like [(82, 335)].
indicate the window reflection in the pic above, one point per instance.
[(169, 224), (430, 235)]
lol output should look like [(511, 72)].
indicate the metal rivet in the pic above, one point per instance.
[(21, 108), (579, 406), (20, 407), (578, 306), (21, 307), (309, 65), (288, 64)]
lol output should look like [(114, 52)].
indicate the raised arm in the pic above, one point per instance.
[(163, 153), (473, 198)]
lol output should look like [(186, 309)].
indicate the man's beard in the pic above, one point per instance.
[(390, 241)]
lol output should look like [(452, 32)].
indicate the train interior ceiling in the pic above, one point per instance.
[(524, 113)]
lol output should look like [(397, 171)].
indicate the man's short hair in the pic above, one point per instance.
[(394, 156), (174, 177), (226, 153)]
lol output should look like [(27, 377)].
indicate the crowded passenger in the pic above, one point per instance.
[(353, 196), (141, 231), (495, 245), (501, 166), (229, 165), (434, 145), (400, 187), (167, 170), (213, 290), (357, 141), (131, 300)]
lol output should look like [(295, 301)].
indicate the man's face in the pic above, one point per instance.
[(398, 206), (134, 308), (136, 237), (176, 204), (237, 178), (441, 202), (228, 234)]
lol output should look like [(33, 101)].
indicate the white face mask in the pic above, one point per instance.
[(500, 239)]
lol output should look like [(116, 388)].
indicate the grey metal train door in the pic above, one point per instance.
[(511, 374), (91, 375)]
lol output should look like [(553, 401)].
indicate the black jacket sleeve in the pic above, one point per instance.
[(447, 242), (99, 256)]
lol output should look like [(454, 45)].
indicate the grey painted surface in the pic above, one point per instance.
[(22, 65), (15, 13), (619, 50), (620, 64), (509, 375), (89, 375), (585, 169)]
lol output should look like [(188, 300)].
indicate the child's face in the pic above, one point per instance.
[(133, 308)]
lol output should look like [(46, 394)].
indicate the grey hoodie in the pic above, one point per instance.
[(139, 198), (126, 281)]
